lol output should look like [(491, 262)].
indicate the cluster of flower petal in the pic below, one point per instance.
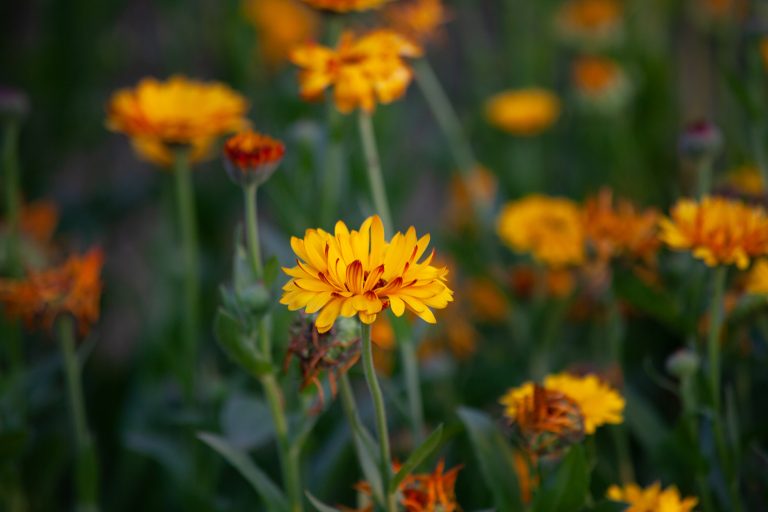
[(73, 288), (359, 273), (158, 115), (524, 112), (549, 228), (363, 71), (598, 402), (717, 230), (652, 498)]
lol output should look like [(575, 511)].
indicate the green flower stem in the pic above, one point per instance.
[(252, 230), (704, 170), (12, 194), (373, 164), (86, 472), (690, 409), (716, 318), (382, 430), (289, 459), (410, 361), (188, 230)]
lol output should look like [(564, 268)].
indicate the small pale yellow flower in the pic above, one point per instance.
[(359, 273), (652, 498), (717, 231), (549, 228), (524, 111), (363, 71), (280, 25)]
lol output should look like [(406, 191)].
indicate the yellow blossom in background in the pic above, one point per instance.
[(620, 229), (72, 288), (345, 5), (549, 228), (524, 112), (590, 22), (598, 402), (717, 230), (745, 181), (297, 24), (359, 273), (651, 499), (764, 51), (757, 279), (417, 19), (363, 71), (158, 115)]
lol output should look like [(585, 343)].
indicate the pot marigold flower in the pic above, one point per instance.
[(251, 157), (590, 22), (417, 19), (73, 288), (620, 230), (717, 231), (651, 499), (549, 228), (297, 25), (359, 273), (523, 112), (157, 115), (362, 70), (598, 402), (345, 5)]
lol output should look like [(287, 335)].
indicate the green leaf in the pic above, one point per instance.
[(567, 488), (368, 457), (495, 457), (271, 494), (319, 505), (416, 458), (237, 345)]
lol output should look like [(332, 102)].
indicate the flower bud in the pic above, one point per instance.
[(701, 139), (251, 158), (683, 363)]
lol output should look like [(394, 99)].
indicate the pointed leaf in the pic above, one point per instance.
[(416, 458), (495, 457), (567, 487), (271, 494), (319, 505)]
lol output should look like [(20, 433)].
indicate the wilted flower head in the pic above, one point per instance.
[(417, 19), (159, 115), (590, 23), (651, 499), (598, 402), (345, 5), (524, 111), (363, 71), (73, 288), (549, 228), (359, 273), (13, 103), (701, 139), (297, 24), (601, 83), (717, 231), (251, 158), (546, 421), (620, 230)]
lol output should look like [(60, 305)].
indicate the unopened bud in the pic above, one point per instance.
[(683, 363), (700, 140), (251, 158)]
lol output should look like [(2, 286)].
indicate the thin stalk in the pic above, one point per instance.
[(382, 430), (410, 362), (704, 170), (188, 231), (12, 194), (289, 460), (690, 408), (86, 472), (252, 230), (373, 164)]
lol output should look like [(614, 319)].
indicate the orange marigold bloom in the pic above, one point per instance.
[(417, 19), (757, 280), (297, 25), (359, 273), (363, 70), (717, 231), (345, 5), (620, 230), (550, 228), (179, 111), (523, 112), (651, 499), (590, 21), (73, 288), (600, 82), (38, 221), (252, 157)]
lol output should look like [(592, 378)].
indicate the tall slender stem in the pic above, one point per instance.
[(410, 363), (373, 164), (188, 231), (252, 230), (86, 472), (382, 430)]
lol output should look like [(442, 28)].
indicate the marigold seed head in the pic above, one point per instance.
[(652, 498), (251, 158)]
